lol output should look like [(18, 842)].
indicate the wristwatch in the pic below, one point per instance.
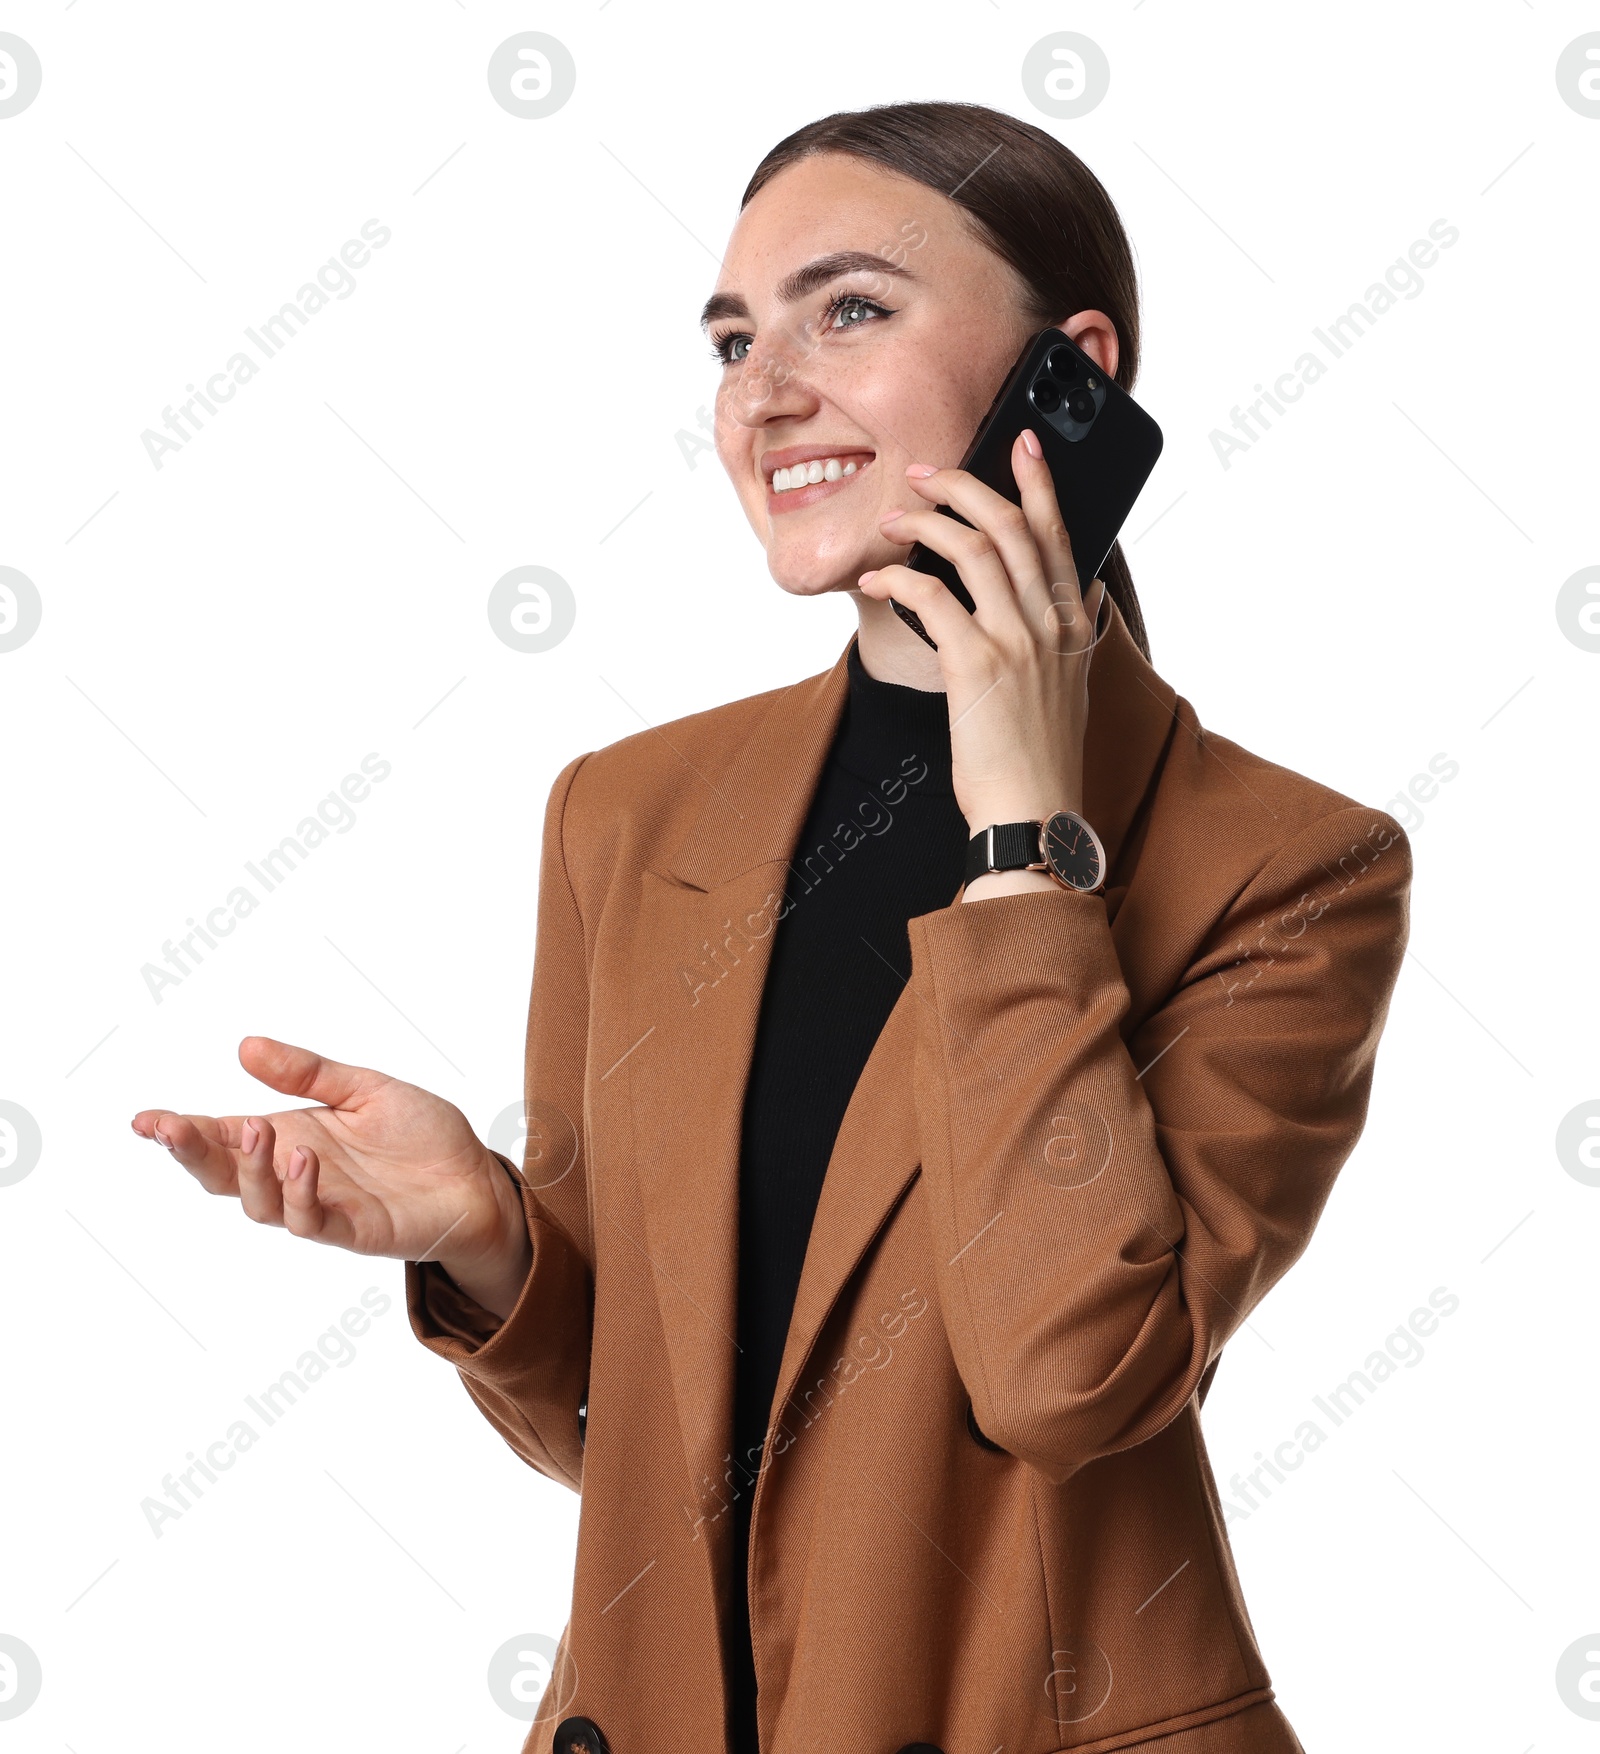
[(1064, 845)]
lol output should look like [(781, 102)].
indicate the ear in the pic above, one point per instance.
[(1095, 333)]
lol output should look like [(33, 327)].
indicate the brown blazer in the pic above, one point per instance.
[(1094, 1132)]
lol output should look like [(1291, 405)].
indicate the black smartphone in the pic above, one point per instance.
[(1099, 443)]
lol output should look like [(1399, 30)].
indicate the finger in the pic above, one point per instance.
[(1068, 626), (1042, 509), (972, 554), (145, 1123), (303, 1213), (953, 629), (1056, 614), (1003, 522), (1094, 601), (260, 1192), (196, 1141), (1072, 638), (298, 1072)]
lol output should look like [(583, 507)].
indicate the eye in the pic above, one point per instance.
[(730, 349), (849, 310)]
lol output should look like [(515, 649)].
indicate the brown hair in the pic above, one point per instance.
[(1032, 200)]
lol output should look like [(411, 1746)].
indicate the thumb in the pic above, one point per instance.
[(299, 1072)]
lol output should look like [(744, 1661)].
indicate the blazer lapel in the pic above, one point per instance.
[(697, 1001), (705, 941)]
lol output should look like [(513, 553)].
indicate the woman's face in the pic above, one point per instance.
[(862, 326)]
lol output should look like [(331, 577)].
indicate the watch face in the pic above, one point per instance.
[(1073, 850)]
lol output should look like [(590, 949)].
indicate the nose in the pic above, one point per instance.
[(772, 382)]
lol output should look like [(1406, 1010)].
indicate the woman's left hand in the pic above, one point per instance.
[(1017, 671)]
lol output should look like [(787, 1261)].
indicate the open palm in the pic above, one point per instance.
[(379, 1167)]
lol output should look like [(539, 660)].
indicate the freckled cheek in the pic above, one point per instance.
[(941, 398), (913, 405), (739, 463)]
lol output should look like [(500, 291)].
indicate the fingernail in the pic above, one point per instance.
[(161, 1138), (889, 517), (867, 577), (249, 1136), (297, 1163), (1031, 440), (920, 471)]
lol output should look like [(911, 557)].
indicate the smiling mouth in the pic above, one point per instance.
[(802, 484)]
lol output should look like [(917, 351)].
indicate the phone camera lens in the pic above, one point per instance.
[(1062, 363), (1080, 405), (1045, 396)]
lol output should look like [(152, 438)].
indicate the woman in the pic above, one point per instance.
[(906, 1455)]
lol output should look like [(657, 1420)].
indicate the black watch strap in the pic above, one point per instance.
[(1007, 846)]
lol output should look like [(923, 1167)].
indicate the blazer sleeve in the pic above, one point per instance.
[(528, 1374), (1107, 1213)]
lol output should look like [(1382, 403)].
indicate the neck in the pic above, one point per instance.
[(890, 651)]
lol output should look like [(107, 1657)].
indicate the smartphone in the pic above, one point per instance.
[(1099, 443)]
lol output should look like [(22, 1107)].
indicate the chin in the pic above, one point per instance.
[(814, 575), (816, 581), (829, 560)]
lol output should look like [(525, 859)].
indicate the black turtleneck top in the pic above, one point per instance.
[(883, 842)]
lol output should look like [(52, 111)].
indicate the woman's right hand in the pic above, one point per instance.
[(379, 1168)]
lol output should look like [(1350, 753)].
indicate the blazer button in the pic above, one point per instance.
[(920, 1748), (578, 1735), (583, 1420), (988, 1443)]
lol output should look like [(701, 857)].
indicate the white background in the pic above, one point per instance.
[(223, 639)]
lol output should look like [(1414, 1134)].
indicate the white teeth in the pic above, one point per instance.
[(805, 474)]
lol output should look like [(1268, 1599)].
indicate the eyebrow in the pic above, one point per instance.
[(804, 280)]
